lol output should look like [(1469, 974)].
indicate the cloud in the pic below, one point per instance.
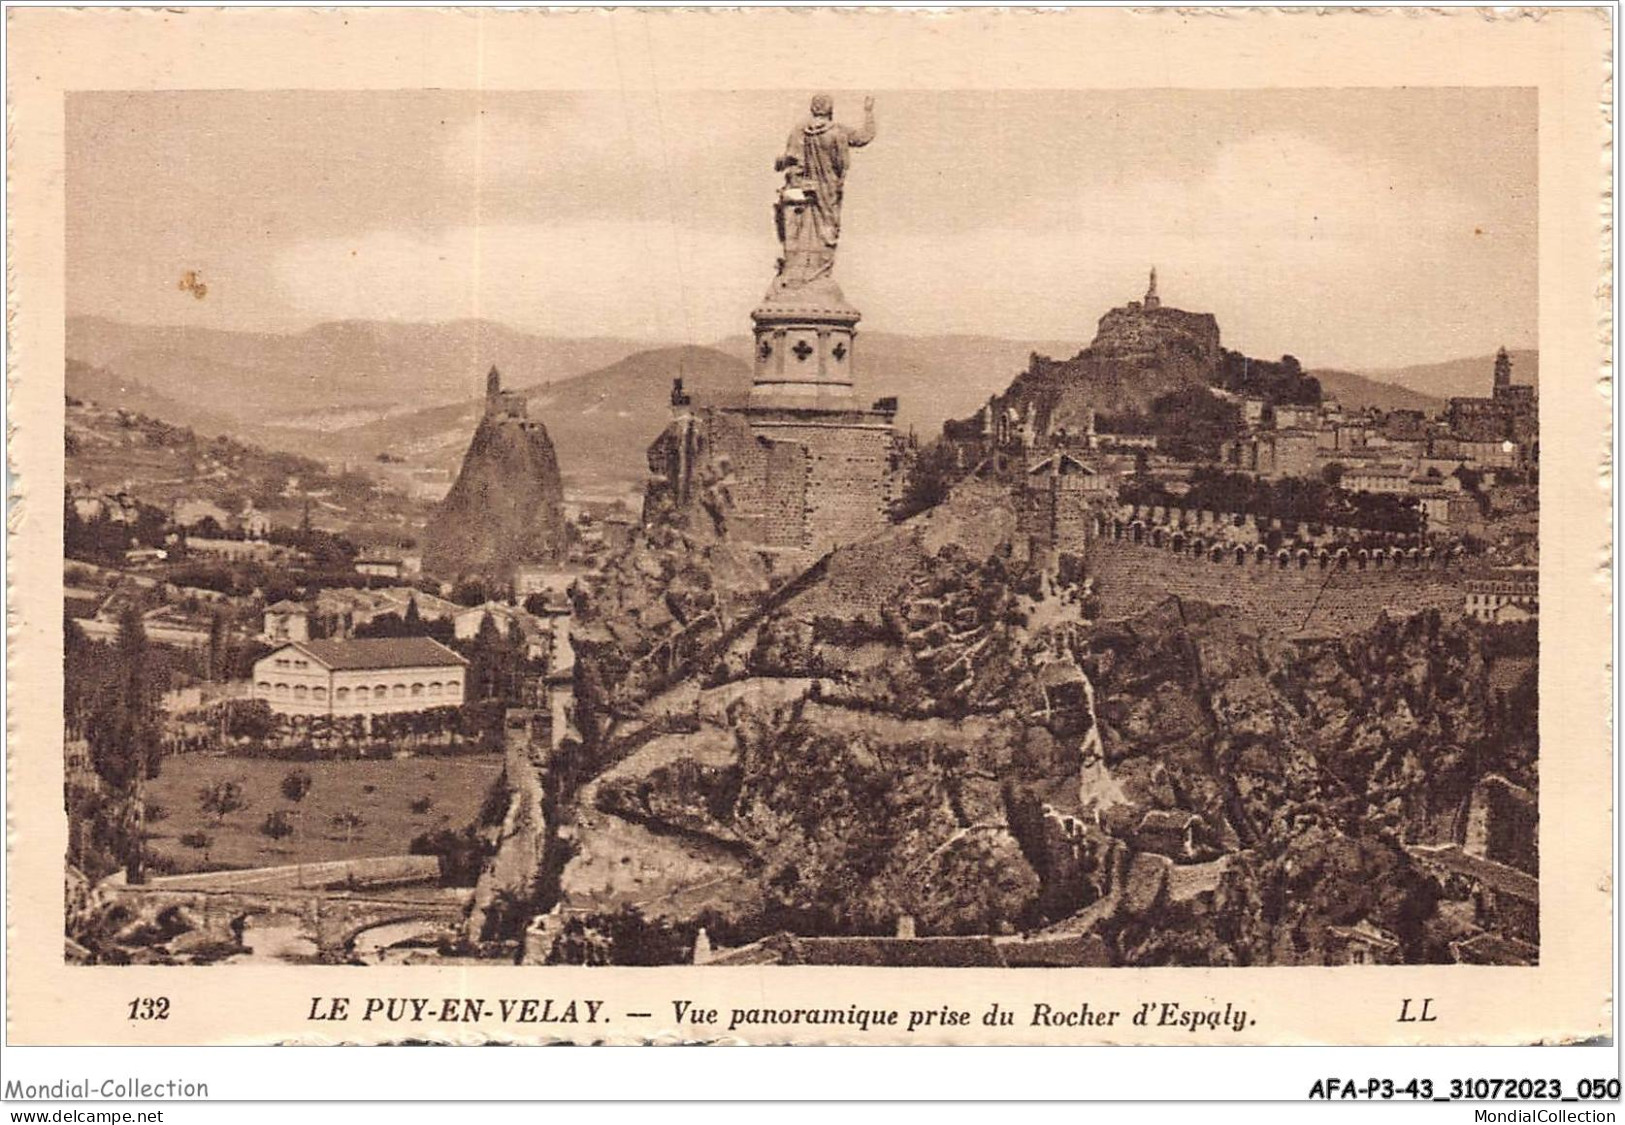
[(1294, 245)]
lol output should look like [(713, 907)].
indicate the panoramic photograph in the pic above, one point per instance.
[(851, 528)]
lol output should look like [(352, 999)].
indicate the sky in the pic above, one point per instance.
[(1355, 228)]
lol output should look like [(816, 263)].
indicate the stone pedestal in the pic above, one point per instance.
[(804, 336)]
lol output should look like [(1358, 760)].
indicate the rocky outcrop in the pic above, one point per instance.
[(1138, 355), (942, 733), (506, 508)]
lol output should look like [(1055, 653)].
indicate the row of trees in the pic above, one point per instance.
[(278, 735), (1190, 424), (1280, 382), (113, 699)]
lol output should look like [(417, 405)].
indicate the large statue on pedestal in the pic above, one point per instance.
[(808, 211)]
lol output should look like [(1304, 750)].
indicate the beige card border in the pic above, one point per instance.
[(1565, 53)]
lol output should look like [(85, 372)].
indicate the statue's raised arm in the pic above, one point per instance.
[(859, 137), (814, 163)]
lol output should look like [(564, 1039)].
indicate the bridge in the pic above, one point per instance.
[(336, 903)]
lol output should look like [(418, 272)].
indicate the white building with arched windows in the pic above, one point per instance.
[(370, 676)]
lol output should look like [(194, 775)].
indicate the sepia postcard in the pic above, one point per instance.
[(809, 526)]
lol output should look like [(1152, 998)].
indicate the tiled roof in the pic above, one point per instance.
[(380, 652), (286, 606)]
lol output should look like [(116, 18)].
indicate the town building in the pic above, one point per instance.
[(1364, 944), (1510, 594), (550, 581), (1394, 479), (254, 523), (286, 621), (1290, 417), (1510, 414), (380, 566), (339, 611), (371, 676), (1061, 495), (510, 621), (1449, 511)]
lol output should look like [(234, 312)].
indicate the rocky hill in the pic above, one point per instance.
[(929, 725), (85, 383), (113, 448), (1138, 355), (506, 507)]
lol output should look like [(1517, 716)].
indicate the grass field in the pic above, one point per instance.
[(382, 792)]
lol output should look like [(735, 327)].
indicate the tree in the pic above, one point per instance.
[(496, 662), (217, 646), (125, 733), (470, 592), (221, 799), (199, 841), (461, 854), (295, 785), (350, 823), (278, 825)]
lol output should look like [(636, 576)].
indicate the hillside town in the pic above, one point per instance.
[(1164, 656)]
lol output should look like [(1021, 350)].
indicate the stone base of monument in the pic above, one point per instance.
[(805, 336)]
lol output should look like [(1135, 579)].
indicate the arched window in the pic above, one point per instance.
[(380, 692), (361, 694), (434, 688), (417, 690), (300, 691), (263, 687), (341, 695), (320, 693), (282, 690), (400, 691)]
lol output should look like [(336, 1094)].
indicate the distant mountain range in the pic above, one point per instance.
[(1356, 392), (352, 390), (1462, 377), (1428, 386), (333, 375)]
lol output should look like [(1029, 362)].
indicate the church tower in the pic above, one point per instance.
[(1152, 301), (1503, 372)]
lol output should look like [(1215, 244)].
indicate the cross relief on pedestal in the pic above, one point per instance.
[(802, 350)]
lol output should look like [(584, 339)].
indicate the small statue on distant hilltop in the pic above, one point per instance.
[(808, 211)]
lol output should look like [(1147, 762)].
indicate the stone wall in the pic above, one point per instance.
[(865, 578), (850, 482), (784, 494), (794, 479), (1305, 597)]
